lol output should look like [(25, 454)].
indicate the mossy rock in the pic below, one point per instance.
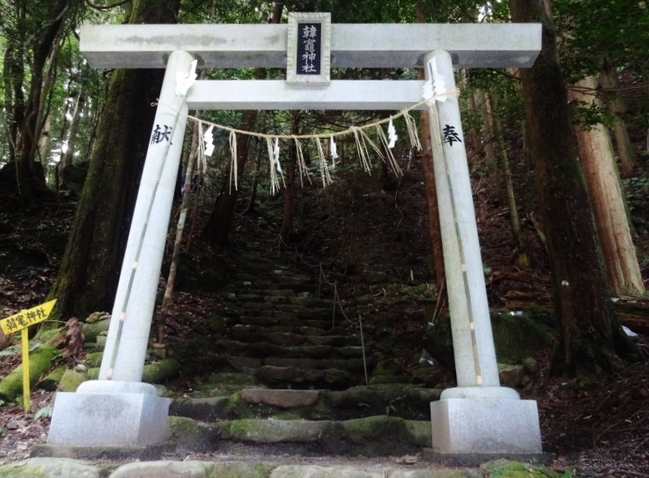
[(93, 329), (93, 359), (367, 436), (238, 470), (40, 360), (71, 380), (515, 337), (512, 376), (514, 469), (518, 337), (43, 467), (51, 381), (185, 432), (272, 431)]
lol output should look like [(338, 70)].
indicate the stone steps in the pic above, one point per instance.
[(261, 349), (360, 436), (396, 400), (280, 334)]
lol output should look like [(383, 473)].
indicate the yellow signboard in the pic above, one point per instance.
[(25, 318), (21, 321)]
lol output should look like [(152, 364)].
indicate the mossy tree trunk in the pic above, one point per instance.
[(91, 263), (592, 340)]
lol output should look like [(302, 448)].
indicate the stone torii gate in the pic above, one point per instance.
[(478, 416)]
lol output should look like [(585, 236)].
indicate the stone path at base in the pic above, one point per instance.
[(324, 468)]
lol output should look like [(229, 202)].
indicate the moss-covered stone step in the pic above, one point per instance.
[(269, 319), (317, 336), (318, 364), (301, 378), (266, 349), (400, 400), (289, 337), (284, 349), (366, 436)]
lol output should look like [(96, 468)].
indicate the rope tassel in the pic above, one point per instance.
[(301, 164), (324, 168)]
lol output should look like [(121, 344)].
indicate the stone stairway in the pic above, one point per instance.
[(288, 370), (280, 334)]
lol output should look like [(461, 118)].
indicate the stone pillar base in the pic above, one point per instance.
[(106, 413), (485, 425)]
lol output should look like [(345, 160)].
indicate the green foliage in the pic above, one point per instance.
[(45, 412), (588, 115), (515, 469), (591, 29), (11, 350)]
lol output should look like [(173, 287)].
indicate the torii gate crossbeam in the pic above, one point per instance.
[(478, 416)]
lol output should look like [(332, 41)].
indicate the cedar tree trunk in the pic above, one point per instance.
[(606, 196), (592, 340), (434, 228), (609, 80), (289, 189)]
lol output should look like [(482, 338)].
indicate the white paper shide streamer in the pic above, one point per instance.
[(392, 135), (278, 166), (208, 141), (379, 145), (435, 89), (333, 149), (185, 80)]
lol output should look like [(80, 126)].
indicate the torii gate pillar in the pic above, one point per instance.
[(479, 416), (119, 409)]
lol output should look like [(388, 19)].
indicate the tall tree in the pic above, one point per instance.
[(605, 191), (434, 228), (33, 34), (89, 271), (602, 38), (289, 189), (610, 83), (217, 229), (592, 340)]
